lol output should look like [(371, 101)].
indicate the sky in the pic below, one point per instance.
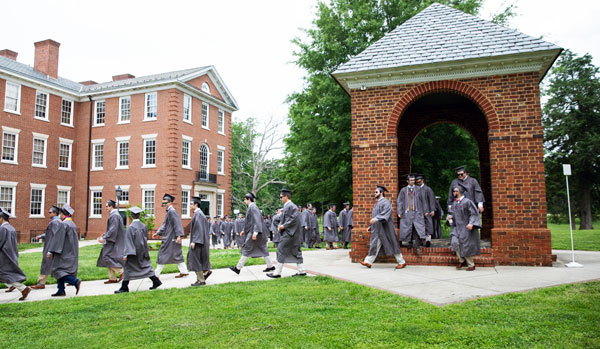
[(248, 42)]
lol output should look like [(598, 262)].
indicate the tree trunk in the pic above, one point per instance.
[(585, 204)]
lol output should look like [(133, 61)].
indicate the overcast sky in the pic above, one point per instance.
[(249, 42)]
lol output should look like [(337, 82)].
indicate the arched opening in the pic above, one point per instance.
[(204, 162), (455, 129)]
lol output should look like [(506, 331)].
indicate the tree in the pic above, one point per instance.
[(252, 168), (319, 158), (571, 119)]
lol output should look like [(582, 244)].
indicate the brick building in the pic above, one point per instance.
[(443, 65), (64, 141)]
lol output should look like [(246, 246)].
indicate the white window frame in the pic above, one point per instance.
[(121, 121), (43, 137), (205, 87), (15, 132), (121, 140), (42, 187), (186, 189), (46, 107), (187, 139), (13, 185), (95, 189), (96, 124), (60, 188), (187, 99), (221, 165), (68, 142), (71, 114), (127, 189), (18, 103), (207, 126), (146, 107), (95, 143), (221, 206), (145, 188), (208, 153), (221, 123), (146, 138)]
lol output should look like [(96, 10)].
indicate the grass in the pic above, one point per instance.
[(309, 312), (27, 246), (588, 240)]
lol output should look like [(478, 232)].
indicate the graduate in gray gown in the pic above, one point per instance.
[(429, 201), (464, 234), (255, 244), (312, 224), (304, 223), (383, 240), (437, 219), (315, 227), (113, 241), (215, 231), (275, 226), (10, 273), (289, 249), (198, 257), (331, 227), (171, 232), (136, 260), (410, 211), (227, 230), (344, 220), (239, 228), (469, 186), (64, 252), (53, 227)]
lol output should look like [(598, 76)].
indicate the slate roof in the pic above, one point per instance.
[(441, 34), (26, 70)]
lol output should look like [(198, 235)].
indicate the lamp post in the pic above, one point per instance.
[(119, 191), (567, 173)]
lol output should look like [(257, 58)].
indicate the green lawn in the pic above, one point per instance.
[(588, 240), (311, 312), (30, 245)]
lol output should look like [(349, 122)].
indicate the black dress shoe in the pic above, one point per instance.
[(268, 269), (155, 285), (58, 294), (199, 283), (209, 273), (428, 244), (121, 291), (299, 274), (235, 270), (273, 276), (77, 287)]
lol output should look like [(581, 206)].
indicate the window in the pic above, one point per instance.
[(8, 196), (98, 154), (66, 115), (122, 152), (12, 98), (185, 201), (10, 145), (124, 194), (186, 160), (187, 108), (96, 204), (39, 150), (150, 106), (149, 151), (124, 110), (64, 154), (220, 159), (99, 113), (205, 115), (41, 106), (204, 162), (219, 204), (205, 87), (148, 202), (36, 206), (64, 195), (221, 129)]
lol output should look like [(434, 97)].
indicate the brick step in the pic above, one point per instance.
[(441, 251), (436, 259)]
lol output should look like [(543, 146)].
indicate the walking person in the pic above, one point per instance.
[(10, 273), (410, 211), (331, 228), (64, 252), (54, 226), (113, 241), (345, 226), (464, 234), (428, 198), (198, 258), (171, 232)]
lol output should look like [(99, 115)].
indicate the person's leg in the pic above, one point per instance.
[(159, 268), (399, 258), (300, 267), (241, 262), (42, 279), (182, 268), (461, 260), (60, 284), (200, 277), (469, 260), (125, 286), (19, 286), (371, 258), (278, 269), (268, 261), (111, 273)]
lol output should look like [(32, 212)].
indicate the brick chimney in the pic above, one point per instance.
[(9, 54), (46, 57), (88, 83), (122, 77)]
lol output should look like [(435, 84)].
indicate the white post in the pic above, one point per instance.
[(567, 173)]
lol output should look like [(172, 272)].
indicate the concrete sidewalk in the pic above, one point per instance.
[(432, 284)]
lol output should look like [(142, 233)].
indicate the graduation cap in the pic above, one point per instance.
[(67, 210), (286, 192), (111, 203), (250, 195), (419, 176), (331, 205), (382, 188), (346, 203), (196, 200), (55, 209), (135, 210), (4, 213), (168, 197), (461, 168)]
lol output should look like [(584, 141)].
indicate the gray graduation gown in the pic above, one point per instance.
[(465, 212), (112, 251), (411, 208), (198, 258), (437, 221), (254, 223), (314, 225), (428, 198), (239, 227), (170, 250), (330, 221), (65, 251), (53, 227), (345, 224), (306, 229), (289, 247), (383, 231), (274, 225), (215, 231), (470, 189), (227, 229), (9, 256), (138, 264)]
